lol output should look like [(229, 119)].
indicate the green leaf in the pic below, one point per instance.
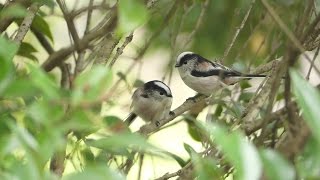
[(42, 26), (179, 160), (132, 13), (96, 172), (91, 85), (276, 167), (309, 162), (206, 168), (308, 98), (42, 81), (238, 151), (121, 142), (49, 3), (13, 11), (7, 51), (45, 113), (188, 148), (26, 50)]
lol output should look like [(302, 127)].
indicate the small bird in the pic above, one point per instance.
[(205, 76), (151, 102)]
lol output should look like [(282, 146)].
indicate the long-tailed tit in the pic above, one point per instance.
[(151, 102), (205, 76)]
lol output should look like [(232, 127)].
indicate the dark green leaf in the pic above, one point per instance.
[(188, 148), (26, 50), (42, 26)]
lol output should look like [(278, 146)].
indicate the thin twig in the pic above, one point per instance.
[(226, 52), (120, 49), (312, 63)]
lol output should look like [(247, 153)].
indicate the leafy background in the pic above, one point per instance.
[(47, 122)]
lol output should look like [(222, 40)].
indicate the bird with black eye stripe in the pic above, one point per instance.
[(204, 76), (151, 102)]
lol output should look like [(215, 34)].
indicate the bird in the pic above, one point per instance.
[(205, 76), (151, 102)]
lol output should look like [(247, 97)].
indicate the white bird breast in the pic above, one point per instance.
[(203, 85), (150, 109)]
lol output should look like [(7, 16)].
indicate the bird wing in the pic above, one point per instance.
[(205, 68)]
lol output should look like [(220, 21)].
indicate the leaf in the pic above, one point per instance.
[(91, 85), (188, 148), (241, 153), (6, 65), (179, 160), (26, 50), (309, 162), (206, 168), (45, 113), (42, 26), (308, 98), (41, 81), (132, 13), (120, 142), (13, 11), (96, 172), (276, 167)]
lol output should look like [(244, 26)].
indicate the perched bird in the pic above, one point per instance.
[(151, 102), (205, 76)]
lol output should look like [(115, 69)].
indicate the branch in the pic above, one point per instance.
[(71, 27), (60, 56), (187, 105), (121, 48), (5, 22), (26, 23)]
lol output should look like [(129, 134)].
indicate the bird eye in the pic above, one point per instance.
[(161, 93), (185, 62)]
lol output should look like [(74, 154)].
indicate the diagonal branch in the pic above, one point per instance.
[(26, 23)]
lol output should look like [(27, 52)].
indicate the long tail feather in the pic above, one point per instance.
[(252, 75), (130, 119)]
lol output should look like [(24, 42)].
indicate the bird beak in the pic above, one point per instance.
[(177, 65)]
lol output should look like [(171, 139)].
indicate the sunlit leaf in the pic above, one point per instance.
[(238, 151), (96, 172), (276, 167), (42, 81), (13, 11), (121, 141), (7, 51), (132, 13), (91, 85), (308, 98), (206, 168)]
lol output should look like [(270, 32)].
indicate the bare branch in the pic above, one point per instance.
[(26, 23)]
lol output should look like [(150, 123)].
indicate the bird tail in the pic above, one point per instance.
[(130, 119), (252, 75)]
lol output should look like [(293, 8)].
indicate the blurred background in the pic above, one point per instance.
[(162, 29)]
